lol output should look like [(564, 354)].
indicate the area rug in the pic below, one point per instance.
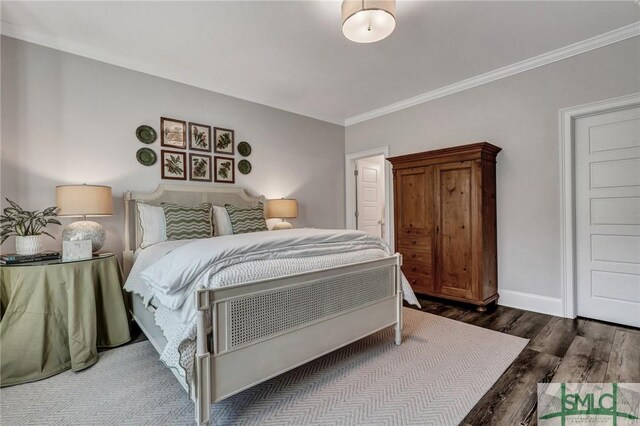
[(441, 370)]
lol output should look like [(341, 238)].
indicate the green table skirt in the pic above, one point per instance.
[(54, 317)]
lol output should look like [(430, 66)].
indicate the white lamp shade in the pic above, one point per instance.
[(84, 200), (368, 21), (283, 208)]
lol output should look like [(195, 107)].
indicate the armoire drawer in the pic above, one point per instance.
[(419, 282), (414, 232), (417, 268), (414, 243), (423, 257)]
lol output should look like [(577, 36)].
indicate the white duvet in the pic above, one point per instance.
[(170, 272)]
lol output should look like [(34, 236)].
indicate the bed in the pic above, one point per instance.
[(248, 328)]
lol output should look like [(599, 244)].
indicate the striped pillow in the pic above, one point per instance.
[(184, 222), (250, 219)]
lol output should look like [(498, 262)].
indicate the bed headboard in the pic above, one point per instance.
[(177, 194)]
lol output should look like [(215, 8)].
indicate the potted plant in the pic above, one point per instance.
[(27, 226)]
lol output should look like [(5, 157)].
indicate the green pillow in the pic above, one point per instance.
[(245, 220), (185, 223)]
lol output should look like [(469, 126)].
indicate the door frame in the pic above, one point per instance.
[(567, 189), (349, 190)]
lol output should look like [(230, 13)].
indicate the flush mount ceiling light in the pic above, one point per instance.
[(368, 21)]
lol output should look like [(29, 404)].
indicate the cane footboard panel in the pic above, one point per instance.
[(266, 328), (270, 313)]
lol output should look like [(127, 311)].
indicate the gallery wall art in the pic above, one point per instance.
[(173, 133), (173, 164), (189, 147), (224, 169)]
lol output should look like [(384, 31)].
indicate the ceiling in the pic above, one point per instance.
[(292, 55)]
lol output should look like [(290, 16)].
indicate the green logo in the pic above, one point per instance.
[(592, 403)]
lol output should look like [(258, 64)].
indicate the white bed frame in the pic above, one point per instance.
[(264, 328)]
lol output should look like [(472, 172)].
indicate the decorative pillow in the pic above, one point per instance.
[(185, 223), (247, 220), (221, 222), (154, 226)]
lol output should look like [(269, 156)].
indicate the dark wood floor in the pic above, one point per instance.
[(559, 350)]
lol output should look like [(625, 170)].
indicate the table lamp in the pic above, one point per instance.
[(82, 201), (284, 209)]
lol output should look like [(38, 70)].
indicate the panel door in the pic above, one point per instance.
[(607, 176), (414, 225), (370, 197), (454, 206)]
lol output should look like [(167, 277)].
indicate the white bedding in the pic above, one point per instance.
[(170, 272), (194, 264), (142, 259)]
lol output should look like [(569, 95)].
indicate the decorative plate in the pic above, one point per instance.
[(244, 166), (244, 149), (146, 156), (146, 134)]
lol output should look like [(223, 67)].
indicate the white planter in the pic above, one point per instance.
[(31, 244)]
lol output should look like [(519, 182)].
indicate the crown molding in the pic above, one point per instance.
[(620, 34), (14, 31)]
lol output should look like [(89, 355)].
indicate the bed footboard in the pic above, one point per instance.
[(262, 329)]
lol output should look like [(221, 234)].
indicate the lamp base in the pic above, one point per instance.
[(282, 225), (85, 230)]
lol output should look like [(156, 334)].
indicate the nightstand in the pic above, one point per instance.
[(55, 315)]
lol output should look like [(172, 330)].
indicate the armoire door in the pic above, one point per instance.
[(453, 219), (414, 225)]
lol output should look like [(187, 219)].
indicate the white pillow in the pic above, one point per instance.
[(221, 222), (153, 223)]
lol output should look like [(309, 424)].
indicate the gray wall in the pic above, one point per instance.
[(519, 114), (68, 119)]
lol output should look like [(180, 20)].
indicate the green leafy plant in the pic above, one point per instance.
[(17, 221), (200, 138), (199, 167), (174, 165), (224, 169), (224, 140)]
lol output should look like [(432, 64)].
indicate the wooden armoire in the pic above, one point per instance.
[(445, 222)]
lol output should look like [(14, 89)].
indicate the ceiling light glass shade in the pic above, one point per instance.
[(368, 21)]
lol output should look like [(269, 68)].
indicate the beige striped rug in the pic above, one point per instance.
[(436, 376)]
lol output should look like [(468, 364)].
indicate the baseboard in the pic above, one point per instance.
[(530, 302)]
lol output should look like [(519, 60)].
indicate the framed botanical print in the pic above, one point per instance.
[(224, 143), (224, 169), (173, 133), (173, 164), (200, 167), (199, 137)]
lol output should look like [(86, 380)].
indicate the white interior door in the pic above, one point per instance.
[(607, 168), (370, 194)]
